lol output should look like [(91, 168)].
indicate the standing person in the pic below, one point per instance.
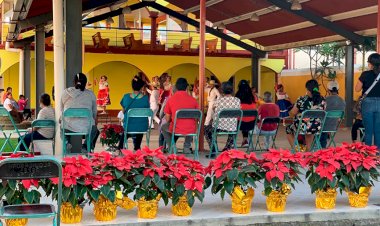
[(283, 103), (311, 101), (370, 86), (103, 94), (358, 124), (46, 113), (136, 99), (9, 90), (166, 87), (227, 101), (247, 102), (212, 95), (333, 103), (153, 101)]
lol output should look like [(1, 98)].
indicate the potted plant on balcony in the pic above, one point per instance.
[(110, 136), (282, 169), (185, 183), (236, 173), (358, 172)]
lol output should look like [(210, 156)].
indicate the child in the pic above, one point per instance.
[(103, 94), (120, 116), (283, 102), (22, 102)]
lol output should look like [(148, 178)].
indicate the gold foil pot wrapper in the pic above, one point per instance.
[(325, 199), (182, 208), (286, 189), (359, 200), (124, 202), (147, 209), (71, 215), (104, 209), (16, 222), (241, 201), (276, 201)]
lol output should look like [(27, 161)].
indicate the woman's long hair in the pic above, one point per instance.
[(313, 87), (374, 59), (244, 93)]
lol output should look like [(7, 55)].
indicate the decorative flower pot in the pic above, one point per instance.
[(16, 222), (147, 209), (325, 199), (241, 201), (71, 215), (182, 208), (124, 202), (276, 201), (104, 209), (359, 200)]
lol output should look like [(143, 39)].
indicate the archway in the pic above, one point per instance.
[(190, 72)]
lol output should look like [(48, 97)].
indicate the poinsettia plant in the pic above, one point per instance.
[(75, 171), (186, 177), (110, 135), (234, 168), (282, 169)]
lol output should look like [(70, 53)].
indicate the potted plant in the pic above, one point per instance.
[(322, 176), (358, 172), (282, 169), (75, 171), (185, 183), (236, 173), (110, 136)]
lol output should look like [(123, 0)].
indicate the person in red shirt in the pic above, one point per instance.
[(22, 102), (268, 109), (179, 100)]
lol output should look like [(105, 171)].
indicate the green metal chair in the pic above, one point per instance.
[(306, 115), (187, 114), (83, 113), (43, 123), (32, 168), (250, 113), (138, 113), (331, 125), (8, 133), (267, 121), (236, 114)]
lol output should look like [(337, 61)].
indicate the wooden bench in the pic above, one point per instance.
[(100, 42), (185, 45), (131, 43)]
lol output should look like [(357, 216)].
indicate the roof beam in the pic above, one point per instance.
[(255, 51), (358, 39), (196, 8)]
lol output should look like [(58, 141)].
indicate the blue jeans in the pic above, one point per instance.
[(371, 120), (28, 139)]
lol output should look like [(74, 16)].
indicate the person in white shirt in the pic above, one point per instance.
[(120, 116), (153, 101), (11, 106), (213, 95)]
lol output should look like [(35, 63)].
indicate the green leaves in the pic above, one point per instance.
[(232, 174), (229, 186), (138, 179)]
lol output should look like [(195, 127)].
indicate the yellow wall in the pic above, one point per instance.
[(188, 71)]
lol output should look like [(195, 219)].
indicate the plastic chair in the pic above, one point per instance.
[(83, 113), (267, 121), (5, 113), (138, 113), (250, 113), (306, 115), (331, 125), (226, 114), (32, 168), (43, 123), (187, 114)]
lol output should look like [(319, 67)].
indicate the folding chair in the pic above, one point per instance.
[(331, 125), (5, 113), (78, 113), (43, 123), (226, 114), (250, 113), (32, 168), (306, 115), (187, 114), (138, 113), (267, 121)]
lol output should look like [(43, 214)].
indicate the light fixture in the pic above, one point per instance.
[(127, 10), (110, 20), (296, 5), (255, 17), (221, 26)]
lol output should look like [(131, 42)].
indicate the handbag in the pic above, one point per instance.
[(361, 99)]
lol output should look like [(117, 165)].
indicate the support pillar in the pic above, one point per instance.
[(202, 58), (27, 86), (59, 71), (223, 48), (349, 80), (21, 76), (121, 21), (153, 32), (255, 72), (378, 27), (73, 19), (40, 63)]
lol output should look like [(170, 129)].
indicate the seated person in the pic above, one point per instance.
[(22, 103), (227, 101), (11, 106), (47, 113), (120, 116), (179, 100), (79, 97), (136, 99), (268, 109)]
